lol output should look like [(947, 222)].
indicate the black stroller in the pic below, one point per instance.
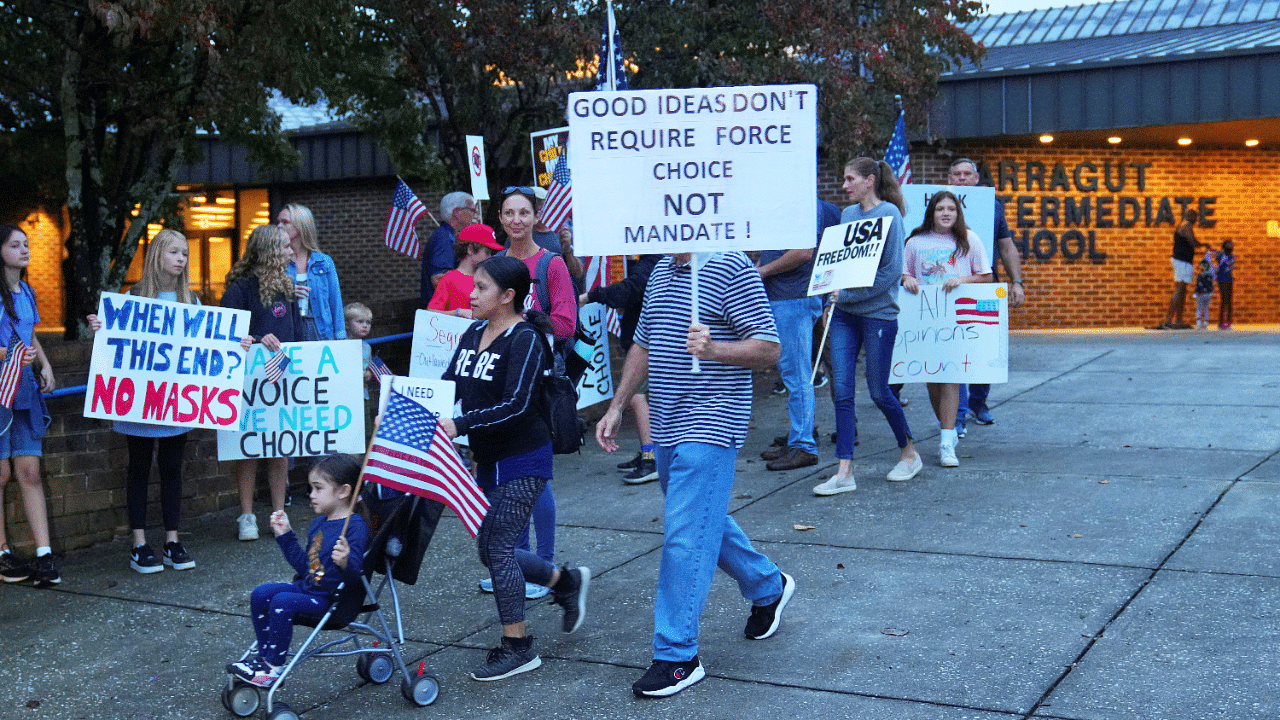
[(401, 527)]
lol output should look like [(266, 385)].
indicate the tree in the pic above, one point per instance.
[(860, 54), (117, 90)]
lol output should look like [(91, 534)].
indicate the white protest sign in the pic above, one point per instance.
[(698, 170), (596, 384), (849, 255), (476, 168), (960, 336), (977, 203), (435, 338), (317, 408), (433, 394), (166, 363)]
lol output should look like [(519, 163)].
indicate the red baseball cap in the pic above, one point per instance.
[(479, 233)]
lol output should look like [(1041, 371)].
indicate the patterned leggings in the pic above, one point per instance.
[(510, 505), (272, 607)]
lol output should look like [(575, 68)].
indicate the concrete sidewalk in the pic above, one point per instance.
[(1106, 550)]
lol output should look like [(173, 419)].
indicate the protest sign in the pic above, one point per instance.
[(316, 408), (166, 363), (849, 255), (960, 336), (977, 203), (476, 169), (698, 170), (549, 148), (596, 384), (435, 338), (433, 394)]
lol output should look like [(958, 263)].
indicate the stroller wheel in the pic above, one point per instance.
[(421, 691), (375, 668), (241, 699), (282, 712)]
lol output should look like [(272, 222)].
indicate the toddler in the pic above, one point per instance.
[(1226, 264), (331, 557), (1203, 294)]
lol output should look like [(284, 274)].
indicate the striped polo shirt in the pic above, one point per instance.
[(713, 406)]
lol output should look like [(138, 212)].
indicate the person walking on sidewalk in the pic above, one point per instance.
[(868, 317), (786, 282), (498, 370), (699, 422)]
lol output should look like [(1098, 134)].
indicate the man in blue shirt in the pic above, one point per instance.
[(457, 210)]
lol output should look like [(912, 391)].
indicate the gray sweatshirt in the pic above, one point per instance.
[(880, 301)]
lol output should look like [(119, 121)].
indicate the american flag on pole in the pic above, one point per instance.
[(611, 73), (406, 208), (379, 368), (559, 203), (276, 365), (11, 371), (411, 452), (896, 155), (597, 276)]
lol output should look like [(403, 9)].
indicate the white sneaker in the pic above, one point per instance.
[(947, 455), (836, 485), (248, 526), (905, 470)]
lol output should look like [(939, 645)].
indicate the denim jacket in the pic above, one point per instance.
[(325, 299)]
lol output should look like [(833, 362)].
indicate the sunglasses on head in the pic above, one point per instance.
[(525, 189)]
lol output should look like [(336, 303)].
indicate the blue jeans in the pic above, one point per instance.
[(795, 319), (697, 479), (848, 334), (972, 396)]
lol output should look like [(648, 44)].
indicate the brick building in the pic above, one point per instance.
[(1076, 115)]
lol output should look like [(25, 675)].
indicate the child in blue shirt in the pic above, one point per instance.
[(1203, 294), (1226, 264), (330, 558)]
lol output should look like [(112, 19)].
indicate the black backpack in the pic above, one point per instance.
[(560, 399)]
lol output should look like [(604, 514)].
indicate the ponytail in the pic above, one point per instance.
[(886, 182)]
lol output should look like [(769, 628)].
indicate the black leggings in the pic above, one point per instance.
[(169, 460), (510, 505)]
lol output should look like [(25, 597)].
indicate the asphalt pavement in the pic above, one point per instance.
[(1107, 550)]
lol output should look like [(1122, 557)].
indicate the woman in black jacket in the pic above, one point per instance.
[(497, 369)]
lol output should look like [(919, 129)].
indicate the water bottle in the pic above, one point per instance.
[(304, 303)]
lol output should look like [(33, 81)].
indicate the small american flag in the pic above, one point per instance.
[(896, 155), (411, 452), (11, 371), (559, 203), (406, 208), (379, 368), (276, 365)]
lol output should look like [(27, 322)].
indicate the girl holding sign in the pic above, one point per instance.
[(498, 368), (944, 251), (21, 441), (165, 276), (260, 284), (869, 317)]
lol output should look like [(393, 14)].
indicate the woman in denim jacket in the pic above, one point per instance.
[(319, 299)]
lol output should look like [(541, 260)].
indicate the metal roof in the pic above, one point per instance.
[(1129, 31)]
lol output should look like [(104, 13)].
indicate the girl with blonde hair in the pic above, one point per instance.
[(316, 278)]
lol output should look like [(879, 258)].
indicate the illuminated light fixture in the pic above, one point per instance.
[(225, 201), (1184, 141), (1114, 139), (1046, 138), (199, 199), (1251, 143)]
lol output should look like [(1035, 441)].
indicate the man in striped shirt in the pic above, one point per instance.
[(698, 422)]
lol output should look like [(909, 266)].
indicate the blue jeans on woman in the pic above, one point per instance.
[(697, 479), (849, 333)]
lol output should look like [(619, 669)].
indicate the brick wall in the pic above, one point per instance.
[(1131, 285)]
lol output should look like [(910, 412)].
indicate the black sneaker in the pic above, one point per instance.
[(646, 472), (633, 463), (144, 560), (508, 659), (12, 569), (765, 619), (820, 380), (666, 678), (176, 557), (43, 572), (779, 387), (256, 671), (571, 593)]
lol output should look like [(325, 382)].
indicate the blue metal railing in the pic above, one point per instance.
[(82, 389)]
